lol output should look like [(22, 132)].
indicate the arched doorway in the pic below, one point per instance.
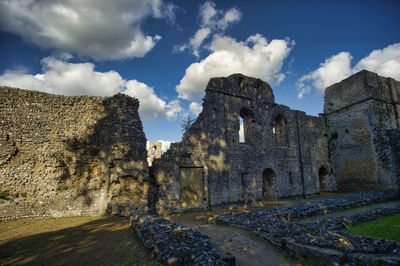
[(268, 177), (323, 174)]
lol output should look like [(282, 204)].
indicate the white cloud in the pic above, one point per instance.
[(218, 19), (198, 40), (254, 57), (385, 62), (334, 69), (99, 29), (212, 20), (172, 109), (195, 108), (60, 77), (151, 106)]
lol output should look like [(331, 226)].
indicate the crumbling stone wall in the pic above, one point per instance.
[(63, 156), (359, 110), (281, 155)]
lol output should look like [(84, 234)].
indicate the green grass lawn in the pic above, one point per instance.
[(387, 227)]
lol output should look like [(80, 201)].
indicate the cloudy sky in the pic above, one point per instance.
[(164, 52)]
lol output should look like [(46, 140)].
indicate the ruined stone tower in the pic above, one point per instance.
[(362, 121), (282, 154)]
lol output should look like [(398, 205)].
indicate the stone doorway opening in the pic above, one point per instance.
[(268, 178), (323, 174), (192, 186)]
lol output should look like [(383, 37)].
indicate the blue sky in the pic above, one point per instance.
[(163, 52)]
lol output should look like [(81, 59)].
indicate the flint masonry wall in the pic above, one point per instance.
[(281, 155), (362, 121), (63, 156)]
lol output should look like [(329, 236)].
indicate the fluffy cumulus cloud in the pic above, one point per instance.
[(211, 20), (334, 69), (99, 29), (255, 57), (62, 77), (385, 62), (151, 106), (195, 108)]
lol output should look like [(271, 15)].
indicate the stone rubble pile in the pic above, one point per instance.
[(176, 244), (325, 240)]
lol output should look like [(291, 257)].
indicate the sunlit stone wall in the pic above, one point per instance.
[(63, 156)]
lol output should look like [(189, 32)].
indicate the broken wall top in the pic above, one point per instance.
[(361, 86), (239, 85)]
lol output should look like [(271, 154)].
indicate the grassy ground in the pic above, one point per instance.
[(387, 227), (71, 241)]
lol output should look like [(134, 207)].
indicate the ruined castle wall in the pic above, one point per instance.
[(358, 110), (268, 165), (313, 147), (65, 156)]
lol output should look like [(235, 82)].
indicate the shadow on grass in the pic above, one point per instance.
[(108, 241)]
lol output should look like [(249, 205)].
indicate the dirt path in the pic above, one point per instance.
[(247, 248), (71, 241)]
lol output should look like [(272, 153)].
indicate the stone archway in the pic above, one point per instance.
[(323, 174), (268, 178)]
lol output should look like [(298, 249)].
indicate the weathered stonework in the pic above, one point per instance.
[(85, 155), (359, 112), (63, 156), (154, 152), (324, 240), (281, 156), (353, 146)]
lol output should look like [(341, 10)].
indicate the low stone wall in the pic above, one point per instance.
[(324, 241), (176, 244)]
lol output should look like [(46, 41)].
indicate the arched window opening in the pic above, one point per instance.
[(290, 178), (245, 118), (323, 174), (153, 150), (241, 130), (280, 129), (268, 178)]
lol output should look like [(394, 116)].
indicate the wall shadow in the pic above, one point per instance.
[(106, 241)]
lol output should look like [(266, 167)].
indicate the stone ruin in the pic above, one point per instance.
[(154, 151), (64, 156), (353, 146)]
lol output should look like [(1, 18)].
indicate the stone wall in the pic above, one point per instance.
[(63, 156), (280, 158), (358, 112)]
